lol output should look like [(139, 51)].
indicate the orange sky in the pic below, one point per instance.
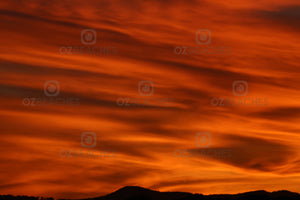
[(263, 37)]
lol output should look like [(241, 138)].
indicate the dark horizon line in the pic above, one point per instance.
[(146, 189)]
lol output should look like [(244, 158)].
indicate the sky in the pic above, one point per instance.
[(193, 96)]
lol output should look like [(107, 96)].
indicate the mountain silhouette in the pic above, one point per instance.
[(139, 193)]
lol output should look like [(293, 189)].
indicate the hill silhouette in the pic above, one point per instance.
[(139, 193)]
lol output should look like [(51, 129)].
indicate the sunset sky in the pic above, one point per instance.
[(255, 43)]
